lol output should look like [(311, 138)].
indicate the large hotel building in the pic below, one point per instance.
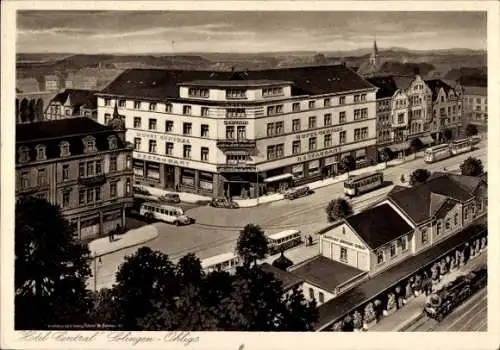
[(236, 133)]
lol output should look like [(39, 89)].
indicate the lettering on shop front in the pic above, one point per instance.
[(346, 243), (161, 159), (321, 132), (235, 122), (319, 154), (166, 138)]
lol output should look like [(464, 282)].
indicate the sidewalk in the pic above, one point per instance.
[(103, 246), (413, 310)]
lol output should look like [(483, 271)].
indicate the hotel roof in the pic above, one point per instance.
[(231, 83), (476, 90), (162, 84), (388, 85), (325, 273), (378, 225), (288, 279)]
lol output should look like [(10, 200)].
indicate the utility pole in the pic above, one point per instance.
[(257, 188), (95, 272)]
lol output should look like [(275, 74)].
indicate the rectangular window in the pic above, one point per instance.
[(168, 108), (357, 134), (169, 126), (270, 152), (187, 128), (312, 104), (98, 167), (81, 169), (169, 148), (296, 125), (204, 111), (122, 103), (327, 102), (107, 102), (327, 119), (97, 194), (363, 97), (195, 92), (65, 172), (425, 237), (137, 143), (356, 98), (204, 130), (42, 177), (241, 131), (236, 94), (137, 122), (296, 107), (273, 110), (364, 133), (311, 293), (342, 117), (152, 124), (187, 152), (65, 201), (342, 137), (296, 147), (152, 146), (113, 163), (312, 122), (343, 254), (90, 195), (280, 150), (401, 118), (107, 117), (312, 143), (380, 257), (230, 132), (137, 105), (128, 188), (81, 197), (152, 106), (186, 110), (403, 243), (393, 250), (204, 154), (90, 169), (270, 129), (113, 188), (321, 297), (342, 100), (280, 128), (438, 228), (327, 141)]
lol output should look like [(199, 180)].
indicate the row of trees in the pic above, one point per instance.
[(150, 292), (29, 110)]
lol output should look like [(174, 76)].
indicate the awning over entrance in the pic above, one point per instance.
[(398, 147), (426, 140), (278, 178), (235, 179)]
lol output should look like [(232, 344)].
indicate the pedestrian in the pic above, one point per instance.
[(310, 240), (110, 236), (177, 188)]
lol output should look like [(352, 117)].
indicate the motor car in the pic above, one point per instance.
[(141, 191), (170, 198), (294, 193), (221, 202)]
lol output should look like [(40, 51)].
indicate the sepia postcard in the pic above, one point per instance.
[(249, 175)]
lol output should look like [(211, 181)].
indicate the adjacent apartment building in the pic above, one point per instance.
[(79, 164), (476, 106), (408, 222), (410, 107), (72, 103), (242, 133)]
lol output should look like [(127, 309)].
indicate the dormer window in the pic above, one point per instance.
[(64, 148), (24, 155), (40, 152), (89, 144), (112, 142)]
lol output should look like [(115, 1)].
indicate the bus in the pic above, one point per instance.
[(460, 146), (226, 262), (163, 212), (283, 240), (363, 183), (435, 153)]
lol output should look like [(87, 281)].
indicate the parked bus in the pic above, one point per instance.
[(359, 184), (223, 262), (283, 240), (164, 212), (435, 153), (460, 146)]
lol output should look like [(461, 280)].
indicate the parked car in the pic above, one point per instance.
[(170, 198), (221, 202), (142, 191), (298, 192)]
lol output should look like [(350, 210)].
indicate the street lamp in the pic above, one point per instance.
[(257, 186)]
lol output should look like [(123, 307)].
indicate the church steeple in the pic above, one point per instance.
[(374, 54)]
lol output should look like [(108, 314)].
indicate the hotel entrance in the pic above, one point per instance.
[(236, 187)]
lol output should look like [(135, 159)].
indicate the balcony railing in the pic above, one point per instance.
[(233, 144), (92, 180)]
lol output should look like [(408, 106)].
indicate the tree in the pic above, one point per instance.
[(300, 315), (145, 283), (447, 134), (419, 176), (252, 244), (385, 155), (471, 130), (416, 145), (51, 268), (338, 209), (348, 163), (103, 308), (472, 167)]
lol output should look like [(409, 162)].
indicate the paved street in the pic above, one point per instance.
[(216, 229), (470, 316)]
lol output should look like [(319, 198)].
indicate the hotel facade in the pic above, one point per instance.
[(242, 133)]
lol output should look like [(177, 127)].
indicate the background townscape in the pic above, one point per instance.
[(323, 189)]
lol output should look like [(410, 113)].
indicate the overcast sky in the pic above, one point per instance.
[(202, 31)]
